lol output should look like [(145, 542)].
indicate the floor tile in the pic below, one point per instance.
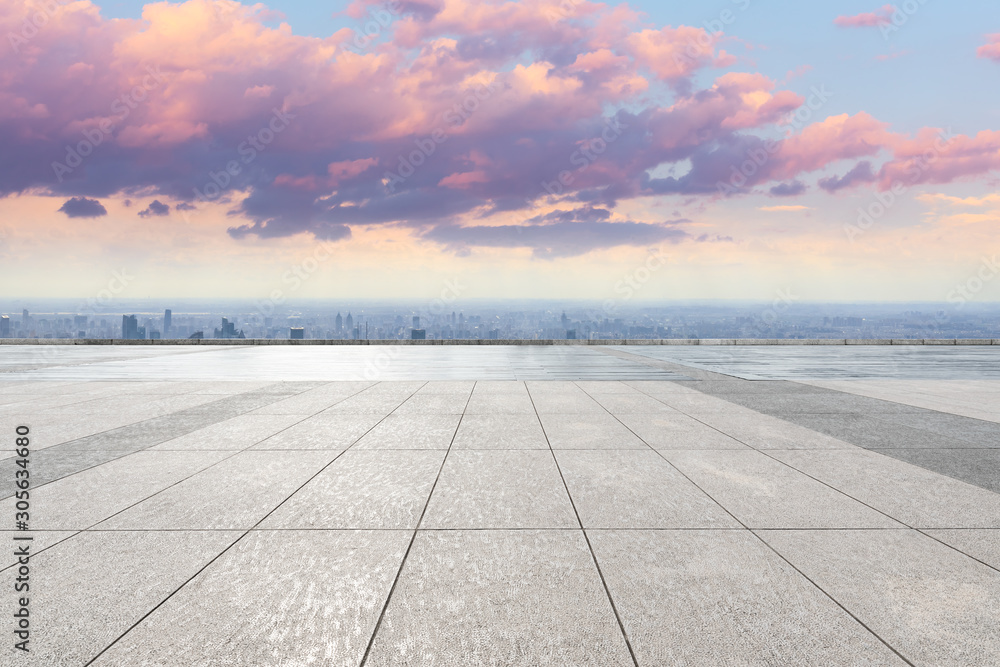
[(237, 433), (275, 598), (764, 493), (598, 430), (764, 432), (677, 431), (322, 431), (932, 604), (908, 493), (40, 540), (975, 466), (386, 490), (723, 598), (499, 404), (411, 431), (623, 404), (77, 502), (500, 489), (501, 431), (983, 545), (490, 598), (636, 489), (433, 404), (91, 588), (236, 493)]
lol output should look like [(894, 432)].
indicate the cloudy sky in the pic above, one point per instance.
[(843, 151)]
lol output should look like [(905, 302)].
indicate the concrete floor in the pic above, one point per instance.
[(643, 513)]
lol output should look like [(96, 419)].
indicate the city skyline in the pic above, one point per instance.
[(782, 318), (545, 149)]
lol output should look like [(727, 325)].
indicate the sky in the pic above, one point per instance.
[(731, 149)]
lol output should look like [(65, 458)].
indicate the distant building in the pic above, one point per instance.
[(4, 327), (24, 318), (416, 321), (228, 330), (297, 333), (80, 321), (340, 323), (349, 322), (418, 334), (130, 327), (167, 321), (197, 335), (154, 335), (570, 334)]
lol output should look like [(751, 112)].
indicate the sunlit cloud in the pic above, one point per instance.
[(784, 209)]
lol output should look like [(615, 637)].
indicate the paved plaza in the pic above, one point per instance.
[(505, 505)]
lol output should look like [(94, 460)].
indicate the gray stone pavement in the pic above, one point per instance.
[(644, 512)]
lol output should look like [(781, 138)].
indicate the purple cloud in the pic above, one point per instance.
[(155, 209), (788, 189), (862, 173), (81, 207)]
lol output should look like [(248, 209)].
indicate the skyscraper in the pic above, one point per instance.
[(297, 333), (167, 316), (350, 322), (130, 327), (228, 330), (340, 323), (416, 321), (24, 319), (4, 327)]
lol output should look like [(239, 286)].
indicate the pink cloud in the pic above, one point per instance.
[(841, 137), (991, 49), (465, 108), (673, 54), (868, 19), (936, 156)]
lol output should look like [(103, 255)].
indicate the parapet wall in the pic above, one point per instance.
[(665, 341)]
